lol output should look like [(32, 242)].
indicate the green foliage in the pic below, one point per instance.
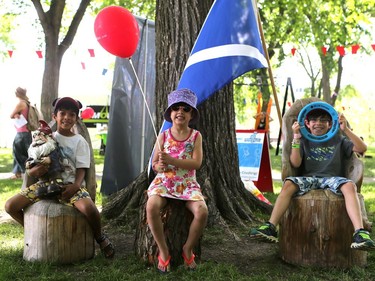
[(348, 92), (245, 99), (306, 24)]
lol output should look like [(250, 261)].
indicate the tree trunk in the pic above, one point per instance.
[(177, 26), (50, 84), (325, 81), (338, 81)]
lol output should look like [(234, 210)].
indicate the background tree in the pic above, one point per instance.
[(56, 44), (316, 24), (177, 26)]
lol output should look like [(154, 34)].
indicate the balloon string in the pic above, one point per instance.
[(147, 107)]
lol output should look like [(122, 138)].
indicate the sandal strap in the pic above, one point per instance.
[(101, 238), (164, 264), (188, 261)]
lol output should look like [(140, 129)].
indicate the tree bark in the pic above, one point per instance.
[(325, 81), (177, 26), (338, 81)]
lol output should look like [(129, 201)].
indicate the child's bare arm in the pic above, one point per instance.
[(189, 164)]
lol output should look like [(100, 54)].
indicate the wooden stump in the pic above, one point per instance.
[(176, 222), (56, 233), (316, 230)]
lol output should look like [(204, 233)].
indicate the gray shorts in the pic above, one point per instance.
[(305, 184)]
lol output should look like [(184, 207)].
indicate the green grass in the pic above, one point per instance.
[(13, 267), (6, 160)]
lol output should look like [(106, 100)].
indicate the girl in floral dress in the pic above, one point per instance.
[(178, 154)]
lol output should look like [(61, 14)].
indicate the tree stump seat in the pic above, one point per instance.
[(316, 231), (56, 233), (176, 220)]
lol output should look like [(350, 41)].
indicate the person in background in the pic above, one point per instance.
[(23, 138), (262, 120), (176, 159), (263, 124)]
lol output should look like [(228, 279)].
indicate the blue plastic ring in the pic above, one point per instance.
[(318, 105)]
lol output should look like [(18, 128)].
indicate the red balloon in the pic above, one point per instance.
[(87, 113), (117, 31)]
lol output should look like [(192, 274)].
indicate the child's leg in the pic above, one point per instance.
[(282, 202), (200, 213), (349, 190), (154, 204), (87, 207), (14, 207)]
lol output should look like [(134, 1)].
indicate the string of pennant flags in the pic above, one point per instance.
[(340, 49), (39, 54)]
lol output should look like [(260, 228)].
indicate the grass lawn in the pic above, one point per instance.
[(128, 267)]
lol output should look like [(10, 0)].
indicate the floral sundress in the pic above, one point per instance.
[(175, 182)]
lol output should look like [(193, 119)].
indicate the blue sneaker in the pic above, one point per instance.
[(266, 233), (362, 241)]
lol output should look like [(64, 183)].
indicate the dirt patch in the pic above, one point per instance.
[(245, 254)]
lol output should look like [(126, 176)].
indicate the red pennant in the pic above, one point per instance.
[(293, 51), (83, 65), (355, 48), (373, 46), (341, 50), (40, 54), (324, 50), (10, 53), (92, 53)]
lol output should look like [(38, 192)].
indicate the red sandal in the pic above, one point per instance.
[(189, 263), (164, 266)]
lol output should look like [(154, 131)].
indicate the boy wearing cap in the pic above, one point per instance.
[(178, 154), (75, 154)]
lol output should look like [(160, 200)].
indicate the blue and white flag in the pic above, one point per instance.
[(227, 46)]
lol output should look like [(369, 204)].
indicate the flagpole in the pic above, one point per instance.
[(269, 67)]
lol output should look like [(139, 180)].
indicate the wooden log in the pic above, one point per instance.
[(316, 231), (56, 233), (176, 223)]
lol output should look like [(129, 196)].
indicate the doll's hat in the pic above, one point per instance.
[(182, 96), (44, 128)]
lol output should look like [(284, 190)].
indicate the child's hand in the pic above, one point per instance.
[(342, 121), (69, 191), (296, 127), (164, 159)]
